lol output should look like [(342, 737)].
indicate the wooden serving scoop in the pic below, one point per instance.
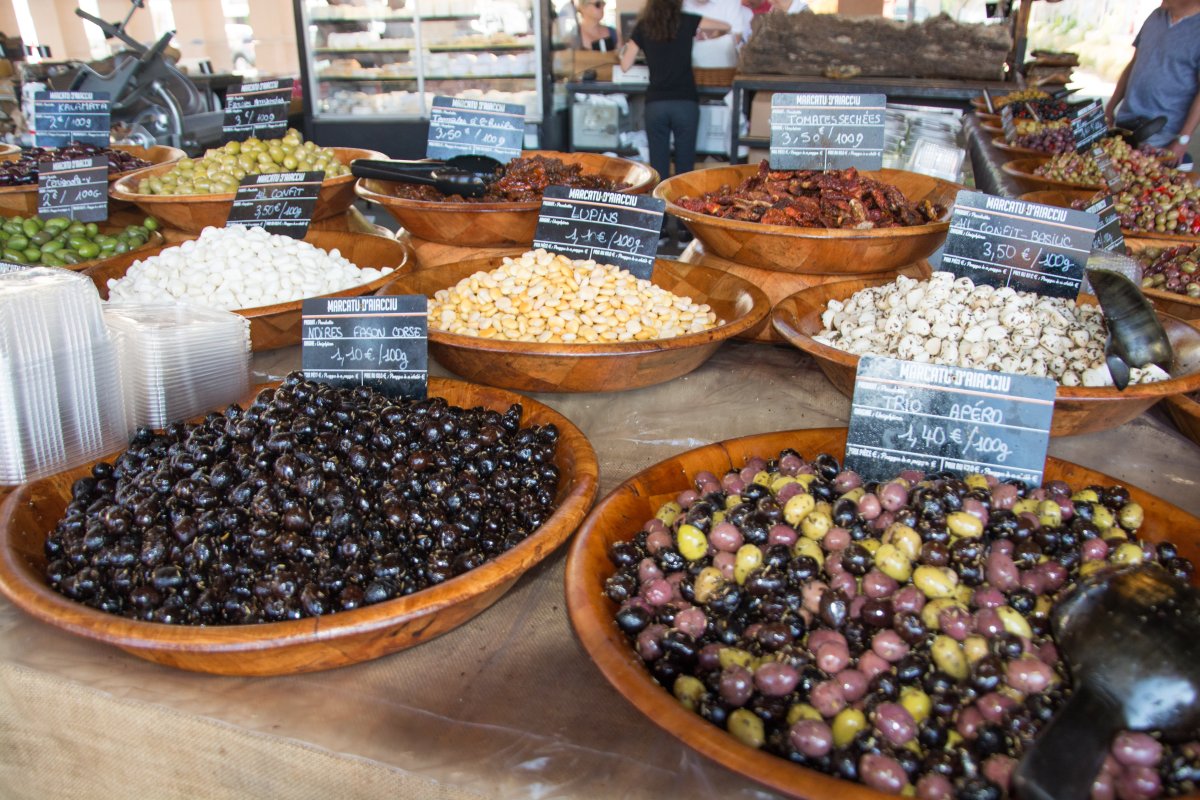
[(1131, 639), (1136, 338)]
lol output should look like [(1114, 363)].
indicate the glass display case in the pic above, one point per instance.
[(374, 60)]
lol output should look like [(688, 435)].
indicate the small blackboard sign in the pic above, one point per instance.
[(281, 202), (987, 101), (77, 189), (60, 118), (827, 131), (381, 342), (1007, 123), (931, 418), (1031, 247), (1088, 126), (257, 110), (610, 227), (1108, 236), (1112, 178), (459, 126)]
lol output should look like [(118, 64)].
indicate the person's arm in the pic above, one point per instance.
[(1118, 94), (1190, 123), (629, 53), (711, 28)]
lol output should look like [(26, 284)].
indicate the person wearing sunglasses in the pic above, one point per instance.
[(593, 33)]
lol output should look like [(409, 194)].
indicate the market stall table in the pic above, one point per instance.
[(506, 706)]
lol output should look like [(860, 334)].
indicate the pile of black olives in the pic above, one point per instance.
[(23, 170), (311, 501), (891, 633)]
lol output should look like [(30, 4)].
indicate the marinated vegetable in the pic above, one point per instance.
[(522, 180)]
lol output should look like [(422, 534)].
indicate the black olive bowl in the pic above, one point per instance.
[(32, 510)]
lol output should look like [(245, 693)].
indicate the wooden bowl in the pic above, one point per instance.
[(992, 128), (495, 224), (21, 201), (816, 250), (609, 367), (1001, 144), (1184, 411), (1064, 198), (276, 326), (195, 212), (1077, 409), (306, 645), (627, 507), (988, 119), (1173, 303), (1022, 172)]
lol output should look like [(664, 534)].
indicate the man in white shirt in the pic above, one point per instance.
[(729, 11)]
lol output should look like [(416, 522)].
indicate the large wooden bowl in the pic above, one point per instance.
[(817, 250), (1173, 303), (618, 515), (1001, 144), (1184, 411), (1065, 197), (306, 645), (992, 127), (279, 325), (609, 367), (495, 224), (21, 201), (195, 212), (1077, 409), (1021, 170)]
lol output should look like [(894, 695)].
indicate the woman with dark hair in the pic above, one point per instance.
[(664, 32)]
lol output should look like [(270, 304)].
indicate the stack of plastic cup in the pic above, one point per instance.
[(179, 361), (61, 403)]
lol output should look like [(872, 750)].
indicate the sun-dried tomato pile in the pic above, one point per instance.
[(812, 199), (522, 180)]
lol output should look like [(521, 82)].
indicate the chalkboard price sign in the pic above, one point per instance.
[(827, 131), (257, 110), (281, 202), (381, 342), (1112, 178), (60, 118), (1108, 236), (459, 126), (1089, 126), (931, 418), (610, 227), (77, 189), (1007, 123), (1029, 246)]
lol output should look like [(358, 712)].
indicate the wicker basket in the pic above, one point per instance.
[(714, 76)]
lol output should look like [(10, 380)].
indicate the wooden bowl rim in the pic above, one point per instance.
[(42, 602), (597, 633), (123, 189), (745, 170), (760, 308), (1184, 404), (781, 319), (1018, 168), (296, 305), (364, 191), (1002, 144)]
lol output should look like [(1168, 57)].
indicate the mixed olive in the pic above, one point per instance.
[(23, 170), (221, 168), (312, 500), (1172, 269), (892, 633), (62, 242)]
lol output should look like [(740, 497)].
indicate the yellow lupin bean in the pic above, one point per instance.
[(808, 547), (1013, 622), (689, 690), (707, 583), (949, 658), (797, 508), (916, 702), (1127, 553), (799, 711), (893, 563), (846, 725), (816, 525), (692, 543), (668, 512), (747, 559), (1131, 516), (963, 524), (747, 728), (935, 582)]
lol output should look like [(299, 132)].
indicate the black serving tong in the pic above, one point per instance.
[(1131, 639), (467, 175)]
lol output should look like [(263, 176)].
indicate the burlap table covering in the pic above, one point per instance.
[(507, 706)]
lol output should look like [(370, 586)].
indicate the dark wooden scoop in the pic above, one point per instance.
[(1131, 639)]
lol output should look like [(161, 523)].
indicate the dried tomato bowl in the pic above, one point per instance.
[(825, 251)]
